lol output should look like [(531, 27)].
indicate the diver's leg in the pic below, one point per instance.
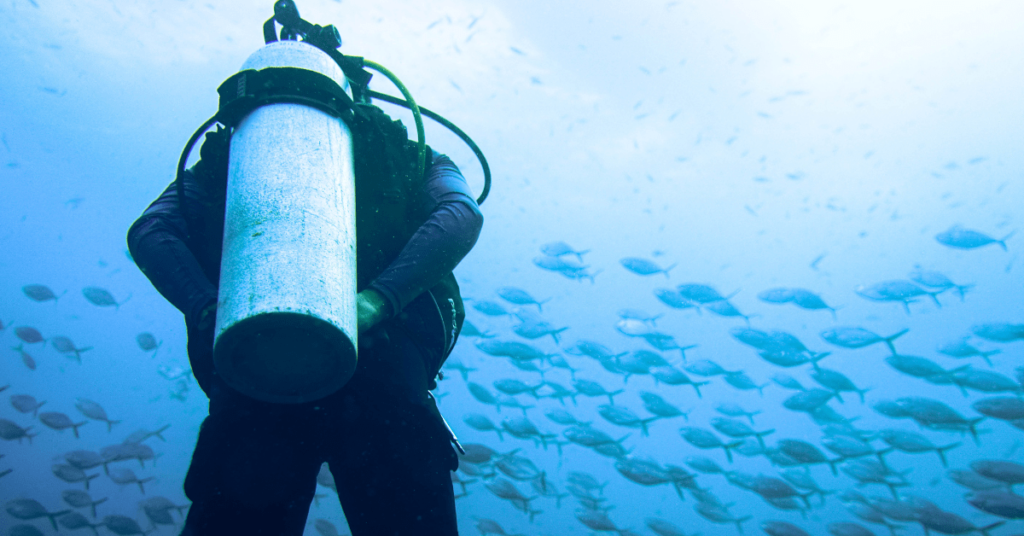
[(253, 471), (393, 463)]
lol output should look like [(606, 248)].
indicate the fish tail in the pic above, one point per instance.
[(669, 268), (880, 454), (110, 425), (1002, 241), (972, 427), (739, 523), (888, 340), (728, 449), (986, 355), (540, 304), (612, 394), (941, 451), (760, 436), (94, 503), (160, 431), (984, 530)]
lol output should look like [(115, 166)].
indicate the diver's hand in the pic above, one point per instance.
[(371, 309)]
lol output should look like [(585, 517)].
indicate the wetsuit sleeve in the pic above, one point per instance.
[(447, 235), (158, 242)]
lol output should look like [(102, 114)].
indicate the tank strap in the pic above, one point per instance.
[(250, 89)]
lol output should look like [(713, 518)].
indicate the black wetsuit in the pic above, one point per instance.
[(255, 464)]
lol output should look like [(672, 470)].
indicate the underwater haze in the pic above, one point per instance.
[(783, 236)]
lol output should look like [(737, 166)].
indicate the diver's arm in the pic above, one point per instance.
[(448, 234), (158, 242)]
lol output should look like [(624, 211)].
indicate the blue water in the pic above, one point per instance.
[(741, 141)]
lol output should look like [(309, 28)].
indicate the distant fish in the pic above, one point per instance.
[(660, 407), (26, 404), (806, 299), (641, 266), (28, 334), (101, 297), (557, 249), (65, 346), (699, 293), (999, 503), (703, 439), (961, 349), (734, 410), (856, 337), (28, 509), (481, 423), (637, 314), (837, 382), (520, 297), (986, 381), (738, 430), (10, 431), (40, 293), (724, 308), (490, 308), (960, 237), (788, 382), (672, 376), (809, 400), (633, 328), (673, 299), (933, 279), (560, 416), (124, 477), (72, 474), (741, 381), (453, 363), (27, 359), (147, 342), (998, 331), (622, 416), (594, 389), (1009, 408), (59, 421), (899, 290), (707, 368), (569, 269), (718, 514), (95, 412), (776, 295), (913, 443)]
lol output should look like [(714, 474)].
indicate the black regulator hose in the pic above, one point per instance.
[(450, 126), (179, 178)]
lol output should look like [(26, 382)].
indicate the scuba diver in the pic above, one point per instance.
[(256, 461)]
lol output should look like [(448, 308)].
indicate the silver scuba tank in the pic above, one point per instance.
[(286, 327)]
